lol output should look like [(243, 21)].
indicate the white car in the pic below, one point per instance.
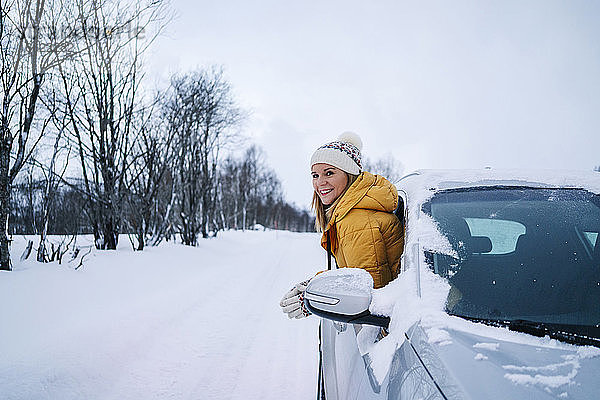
[(499, 297)]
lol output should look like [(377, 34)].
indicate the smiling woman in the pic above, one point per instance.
[(355, 211), (329, 182)]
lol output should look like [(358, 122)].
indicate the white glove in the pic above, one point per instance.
[(293, 302)]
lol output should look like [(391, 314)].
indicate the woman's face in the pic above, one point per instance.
[(329, 182)]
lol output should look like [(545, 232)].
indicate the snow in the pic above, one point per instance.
[(170, 322), (179, 322), (349, 280), (366, 338), (439, 336), (588, 352), (549, 376), (400, 299), (487, 346), (428, 181)]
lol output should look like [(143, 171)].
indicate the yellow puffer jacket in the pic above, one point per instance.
[(364, 232)]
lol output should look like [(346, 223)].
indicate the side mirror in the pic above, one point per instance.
[(343, 295)]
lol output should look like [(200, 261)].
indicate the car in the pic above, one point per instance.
[(498, 298)]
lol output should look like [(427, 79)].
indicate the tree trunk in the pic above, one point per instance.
[(110, 235), (140, 236), (4, 201), (42, 253)]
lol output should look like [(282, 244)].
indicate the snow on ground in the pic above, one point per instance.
[(171, 322)]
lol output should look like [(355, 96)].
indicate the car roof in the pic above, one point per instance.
[(433, 180)]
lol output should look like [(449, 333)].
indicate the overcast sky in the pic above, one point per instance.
[(438, 84)]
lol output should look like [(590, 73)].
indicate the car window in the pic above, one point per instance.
[(401, 212), (503, 234), (522, 253), (592, 238)]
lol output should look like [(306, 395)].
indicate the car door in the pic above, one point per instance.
[(347, 373)]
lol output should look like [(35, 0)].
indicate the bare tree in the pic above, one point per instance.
[(150, 184), (228, 193), (32, 44), (103, 99), (65, 216), (387, 166), (54, 173), (202, 115), (254, 176), (271, 194), (250, 195), (25, 201), (237, 184)]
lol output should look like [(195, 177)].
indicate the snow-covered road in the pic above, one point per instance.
[(168, 323)]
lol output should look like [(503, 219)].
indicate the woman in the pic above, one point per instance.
[(355, 213)]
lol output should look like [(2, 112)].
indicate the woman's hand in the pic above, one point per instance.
[(293, 301)]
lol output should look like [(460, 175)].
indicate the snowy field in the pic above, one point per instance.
[(171, 322)]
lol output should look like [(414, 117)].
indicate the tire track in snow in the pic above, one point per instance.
[(169, 323), (248, 350), (279, 355)]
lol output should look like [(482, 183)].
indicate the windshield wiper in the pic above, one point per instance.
[(562, 332), (573, 334)]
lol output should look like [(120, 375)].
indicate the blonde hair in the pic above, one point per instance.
[(324, 213)]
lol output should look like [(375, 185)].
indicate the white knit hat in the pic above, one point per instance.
[(344, 153)]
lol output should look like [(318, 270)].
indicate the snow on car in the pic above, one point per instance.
[(498, 297)]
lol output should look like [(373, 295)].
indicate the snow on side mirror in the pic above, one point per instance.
[(343, 295)]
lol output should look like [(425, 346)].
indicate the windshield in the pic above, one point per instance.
[(523, 254)]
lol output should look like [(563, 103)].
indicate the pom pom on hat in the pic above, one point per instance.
[(352, 138), (344, 153)]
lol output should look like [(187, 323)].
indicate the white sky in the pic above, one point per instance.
[(438, 84)]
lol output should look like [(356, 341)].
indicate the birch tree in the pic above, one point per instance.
[(33, 42), (103, 97), (150, 183), (54, 172), (202, 115)]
